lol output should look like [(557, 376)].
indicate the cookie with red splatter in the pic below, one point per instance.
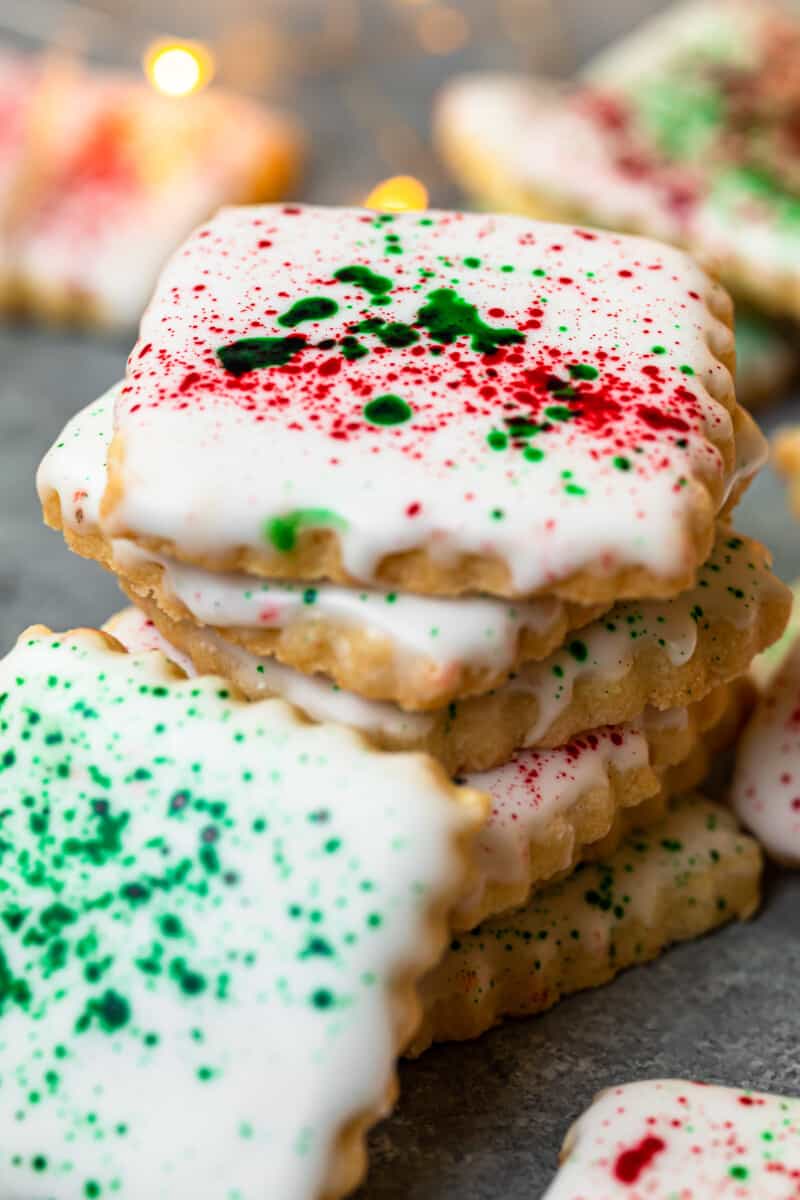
[(135, 171), (214, 916), (678, 880), (684, 130), (439, 402), (765, 791), (665, 1138)]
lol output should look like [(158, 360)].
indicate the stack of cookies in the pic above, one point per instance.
[(463, 483)]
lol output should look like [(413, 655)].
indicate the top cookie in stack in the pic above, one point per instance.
[(461, 481), (441, 403)]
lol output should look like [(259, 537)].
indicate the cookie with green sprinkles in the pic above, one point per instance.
[(669, 1138), (432, 403), (676, 881), (213, 918)]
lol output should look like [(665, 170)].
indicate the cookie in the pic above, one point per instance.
[(142, 171), (669, 1138), (677, 881), (473, 735), (765, 791), (214, 915), (552, 808), (681, 131), (594, 441), (103, 176), (664, 654)]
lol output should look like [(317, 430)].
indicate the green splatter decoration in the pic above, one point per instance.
[(254, 353), (377, 286), (448, 317), (314, 308), (281, 532), (388, 410)]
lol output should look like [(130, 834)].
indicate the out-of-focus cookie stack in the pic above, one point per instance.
[(463, 482), (101, 177)]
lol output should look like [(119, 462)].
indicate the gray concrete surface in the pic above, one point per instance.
[(480, 1121)]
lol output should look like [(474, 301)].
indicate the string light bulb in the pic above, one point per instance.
[(178, 68), (401, 193)]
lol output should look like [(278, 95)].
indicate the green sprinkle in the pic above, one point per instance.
[(388, 410)]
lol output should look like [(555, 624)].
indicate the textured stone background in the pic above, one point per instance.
[(481, 1121)]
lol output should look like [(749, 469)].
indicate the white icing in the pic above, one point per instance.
[(549, 524), (671, 1138), (319, 698), (74, 467), (766, 783), (136, 633), (298, 868)]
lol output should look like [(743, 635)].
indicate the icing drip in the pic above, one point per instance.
[(580, 361), (206, 907)]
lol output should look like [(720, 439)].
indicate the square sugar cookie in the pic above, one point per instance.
[(214, 918), (440, 402)]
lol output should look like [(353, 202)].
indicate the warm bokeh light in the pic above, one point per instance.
[(178, 68), (401, 193)]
